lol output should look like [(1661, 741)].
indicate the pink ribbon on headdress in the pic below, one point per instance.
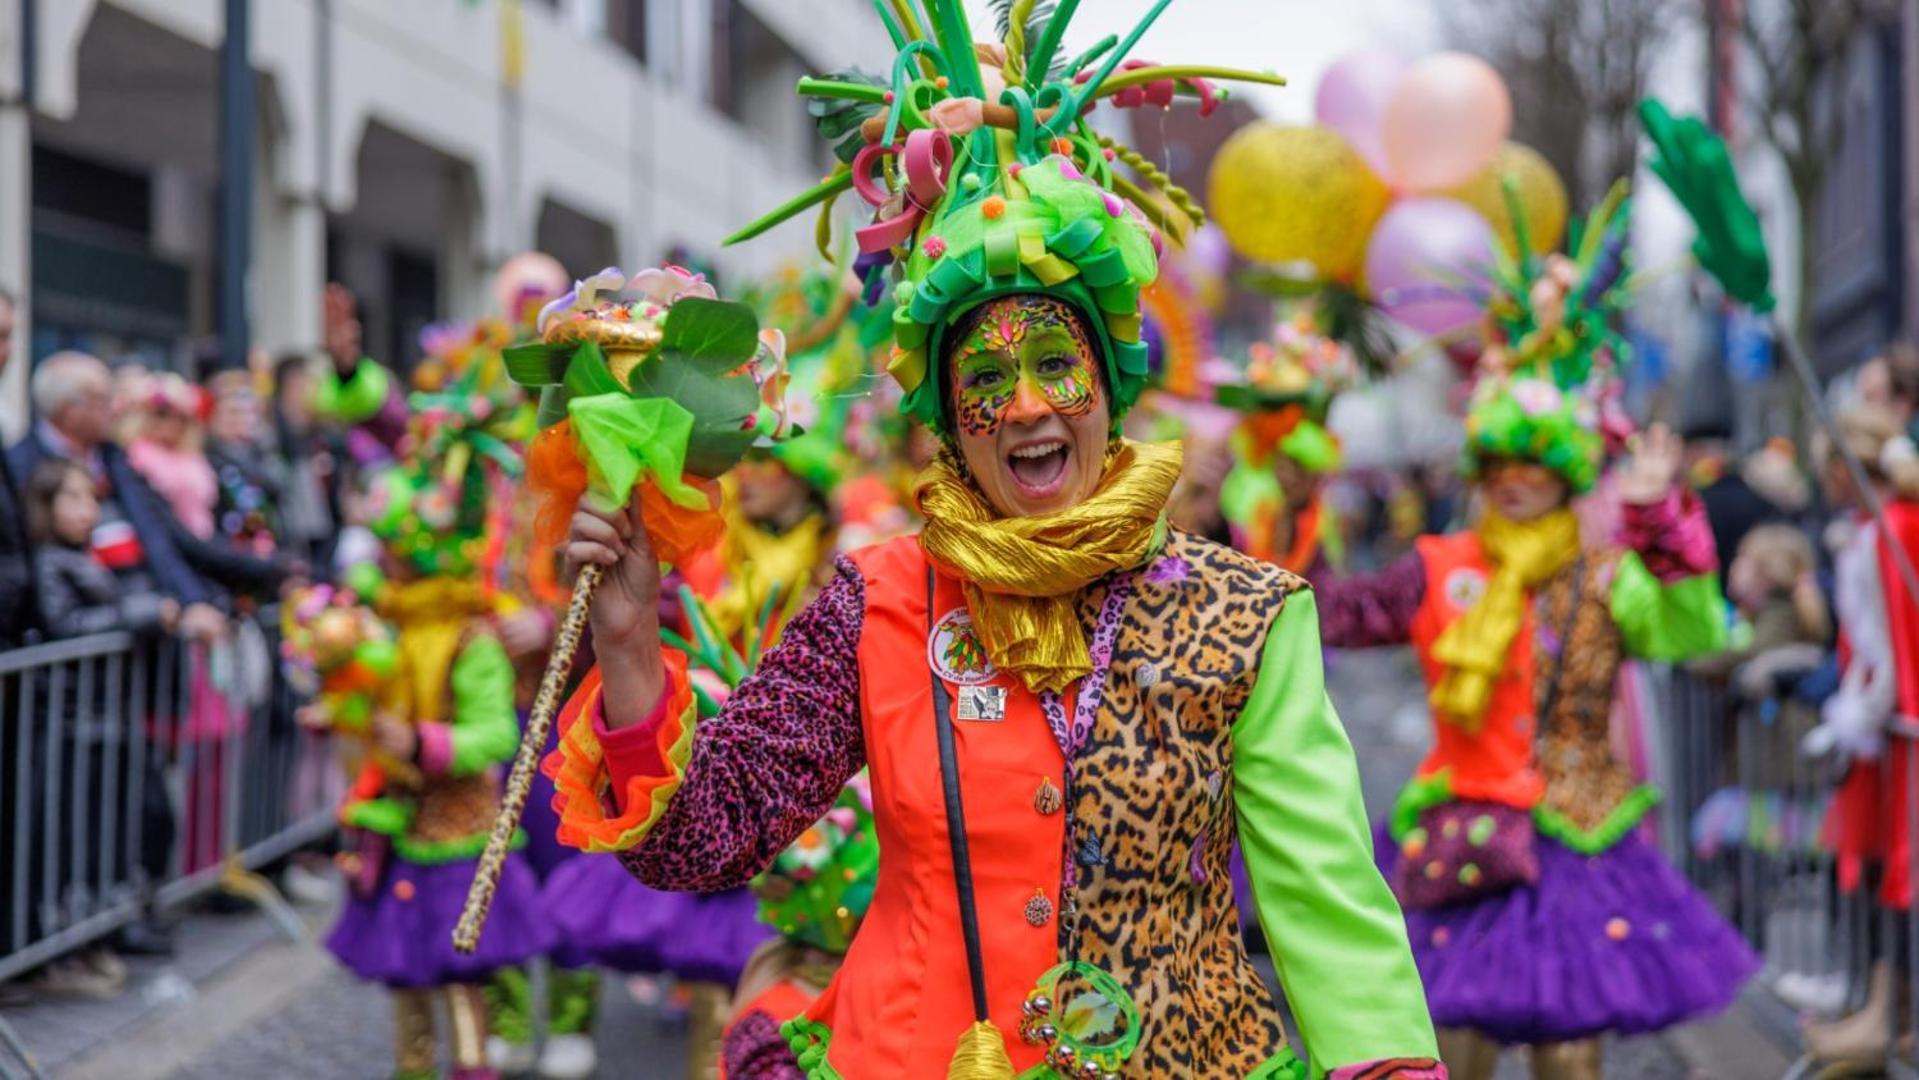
[(926, 159), (1159, 91)]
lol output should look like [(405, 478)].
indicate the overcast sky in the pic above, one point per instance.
[(1296, 38)]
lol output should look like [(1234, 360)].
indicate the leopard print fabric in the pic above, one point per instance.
[(1584, 782), (1153, 811)]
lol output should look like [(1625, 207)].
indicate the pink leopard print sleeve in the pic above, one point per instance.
[(1672, 536), (755, 1050), (1360, 611), (775, 757)]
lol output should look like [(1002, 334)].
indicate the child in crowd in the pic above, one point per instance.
[(85, 585), (78, 591)]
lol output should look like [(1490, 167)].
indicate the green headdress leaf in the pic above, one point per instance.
[(1694, 164)]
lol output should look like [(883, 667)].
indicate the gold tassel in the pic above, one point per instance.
[(981, 1055)]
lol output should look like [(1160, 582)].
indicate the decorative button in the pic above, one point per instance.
[(403, 890), (1618, 929), (1039, 910), (1147, 676), (1047, 800)]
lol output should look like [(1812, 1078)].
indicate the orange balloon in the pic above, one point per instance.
[(1448, 117)]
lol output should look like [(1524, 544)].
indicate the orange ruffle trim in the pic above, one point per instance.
[(590, 819)]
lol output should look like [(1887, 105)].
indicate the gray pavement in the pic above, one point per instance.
[(240, 1002)]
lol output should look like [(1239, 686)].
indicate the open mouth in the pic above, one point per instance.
[(1039, 467)]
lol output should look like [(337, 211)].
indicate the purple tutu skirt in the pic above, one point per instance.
[(1615, 942), (402, 935), (614, 921)]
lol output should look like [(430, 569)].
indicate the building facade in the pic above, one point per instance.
[(404, 149)]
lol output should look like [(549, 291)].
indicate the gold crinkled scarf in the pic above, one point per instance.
[(1020, 575), (1474, 647)]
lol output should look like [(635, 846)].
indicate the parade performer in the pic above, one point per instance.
[(1272, 499), (419, 813), (1539, 912), (777, 547), (815, 894), (1070, 712), (1867, 826), (525, 593)]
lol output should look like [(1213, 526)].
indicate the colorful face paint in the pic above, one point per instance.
[(1035, 339)]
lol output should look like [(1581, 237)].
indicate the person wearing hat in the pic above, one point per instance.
[(1539, 911), (1070, 711)]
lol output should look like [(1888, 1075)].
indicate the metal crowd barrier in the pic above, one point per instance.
[(142, 773), (1744, 817)]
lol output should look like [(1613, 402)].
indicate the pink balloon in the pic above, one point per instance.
[(1446, 120), (1352, 99), (1427, 262)]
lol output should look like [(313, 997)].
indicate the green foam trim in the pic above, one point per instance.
[(1623, 818), (1420, 794)]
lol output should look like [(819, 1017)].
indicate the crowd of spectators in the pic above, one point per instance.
[(176, 508)]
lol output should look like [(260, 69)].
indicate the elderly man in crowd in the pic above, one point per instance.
[(71, 396)]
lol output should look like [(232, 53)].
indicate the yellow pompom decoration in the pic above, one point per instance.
[(981, 1055), (1542, 198), (1296, 194)]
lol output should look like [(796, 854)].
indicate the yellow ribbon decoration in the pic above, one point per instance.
[(1474, 646), (1020, 575)]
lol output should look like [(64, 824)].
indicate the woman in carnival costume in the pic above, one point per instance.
[(777, 547), (1539, 911), (1069, 711), (1272, 499), (815, 895), (439, 726)]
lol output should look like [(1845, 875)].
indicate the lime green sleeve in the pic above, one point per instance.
[(1672, 622), (355, 399), (485, 730), (1338, 938)]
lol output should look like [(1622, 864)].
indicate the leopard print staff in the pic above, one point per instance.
[(648, 384)]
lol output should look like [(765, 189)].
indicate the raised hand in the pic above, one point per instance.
[(1649, 474)]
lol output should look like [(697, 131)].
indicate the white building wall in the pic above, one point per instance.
[(634, 147)]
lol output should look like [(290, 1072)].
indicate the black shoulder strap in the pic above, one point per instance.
[(956, 825), (1573, 604)]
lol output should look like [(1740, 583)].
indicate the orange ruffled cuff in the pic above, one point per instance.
[(594, 816)]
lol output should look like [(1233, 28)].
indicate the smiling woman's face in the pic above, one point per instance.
[(1030, 413)]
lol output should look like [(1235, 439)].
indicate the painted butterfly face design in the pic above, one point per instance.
[(1030, 415), (1036, 342)]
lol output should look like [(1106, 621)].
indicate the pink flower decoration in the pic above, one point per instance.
[(1536, 397), (770, 370), (665, 284), (934, 246)]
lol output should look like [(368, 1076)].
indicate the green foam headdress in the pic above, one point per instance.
[(820, 887), (986, 178), (433, 508), (1548, 379)]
